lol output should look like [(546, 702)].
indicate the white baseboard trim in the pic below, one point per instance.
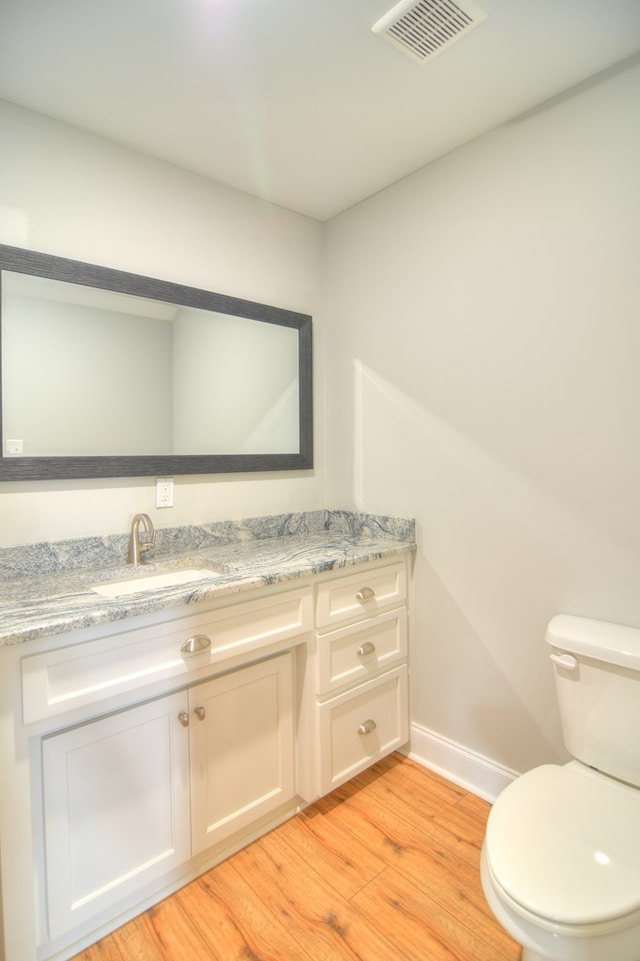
[(458, 764)]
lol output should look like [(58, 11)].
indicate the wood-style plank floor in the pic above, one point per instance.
[(383, 869)]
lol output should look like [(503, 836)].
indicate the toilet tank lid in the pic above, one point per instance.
[(613, 643)]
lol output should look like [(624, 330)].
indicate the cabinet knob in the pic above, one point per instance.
[(196, 644), (183, 717), (200, 712), (367, 727), (366, 648), (365, 594)]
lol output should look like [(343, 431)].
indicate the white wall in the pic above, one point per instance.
[(482, 366), (484, 331), (69, 193)]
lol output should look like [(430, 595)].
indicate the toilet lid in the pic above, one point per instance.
[(564, 842)]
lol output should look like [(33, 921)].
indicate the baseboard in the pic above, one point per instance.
[(458, 764)]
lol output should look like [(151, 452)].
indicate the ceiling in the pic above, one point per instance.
[(296, 101)]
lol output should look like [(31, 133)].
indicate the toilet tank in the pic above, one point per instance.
[(597, 675)]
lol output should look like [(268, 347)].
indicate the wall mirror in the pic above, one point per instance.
[(111, 374)]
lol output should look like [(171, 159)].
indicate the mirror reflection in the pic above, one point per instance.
[(116, 374), (128, 372)]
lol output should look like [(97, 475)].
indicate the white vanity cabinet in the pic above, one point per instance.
[(137, 754), (131, 796), (362, 709)]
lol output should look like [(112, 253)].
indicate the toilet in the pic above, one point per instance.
[(560, 863)]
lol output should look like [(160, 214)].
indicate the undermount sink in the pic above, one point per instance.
[(137, 585)]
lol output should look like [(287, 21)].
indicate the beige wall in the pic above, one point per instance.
[(484, 323), (68, 193)]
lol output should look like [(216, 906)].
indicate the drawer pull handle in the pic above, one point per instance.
[(196, 644), (367, 727), (200, 713), (366, 648), (183, 717), (365, 594)]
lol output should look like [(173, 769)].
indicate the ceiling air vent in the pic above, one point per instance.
[(424, 29)]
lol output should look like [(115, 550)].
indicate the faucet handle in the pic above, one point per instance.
[(150, 543), (136, 546)]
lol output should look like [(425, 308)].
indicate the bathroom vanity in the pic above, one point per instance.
[(148, 734)]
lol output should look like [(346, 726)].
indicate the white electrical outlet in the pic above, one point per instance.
[(164, 492)]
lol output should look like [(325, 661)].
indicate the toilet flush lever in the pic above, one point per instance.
[(566, 661)]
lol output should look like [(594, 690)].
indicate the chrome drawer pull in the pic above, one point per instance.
[(200, 713), (366, 648), (367, 727), (365, 594), (183, 717), (196, 644)]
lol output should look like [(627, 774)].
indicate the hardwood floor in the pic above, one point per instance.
[(383, 869)]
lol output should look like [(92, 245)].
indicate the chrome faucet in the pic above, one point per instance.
[(136, 547)]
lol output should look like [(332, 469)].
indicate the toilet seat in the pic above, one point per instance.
[(563, 845)]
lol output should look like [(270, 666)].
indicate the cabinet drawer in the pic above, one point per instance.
[(87, 672), (361, 726), (360, 594), (361, 650)]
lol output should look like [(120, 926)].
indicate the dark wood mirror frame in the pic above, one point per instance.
[(18, 468)]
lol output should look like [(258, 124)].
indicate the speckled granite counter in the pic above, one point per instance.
[(46, 589)]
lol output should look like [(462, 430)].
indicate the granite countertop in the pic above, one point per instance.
[(46, 589)]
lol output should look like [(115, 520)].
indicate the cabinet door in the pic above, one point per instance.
[(361, 726), (241, 734), (116, 808)]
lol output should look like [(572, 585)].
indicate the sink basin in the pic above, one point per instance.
[(136, 585)]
